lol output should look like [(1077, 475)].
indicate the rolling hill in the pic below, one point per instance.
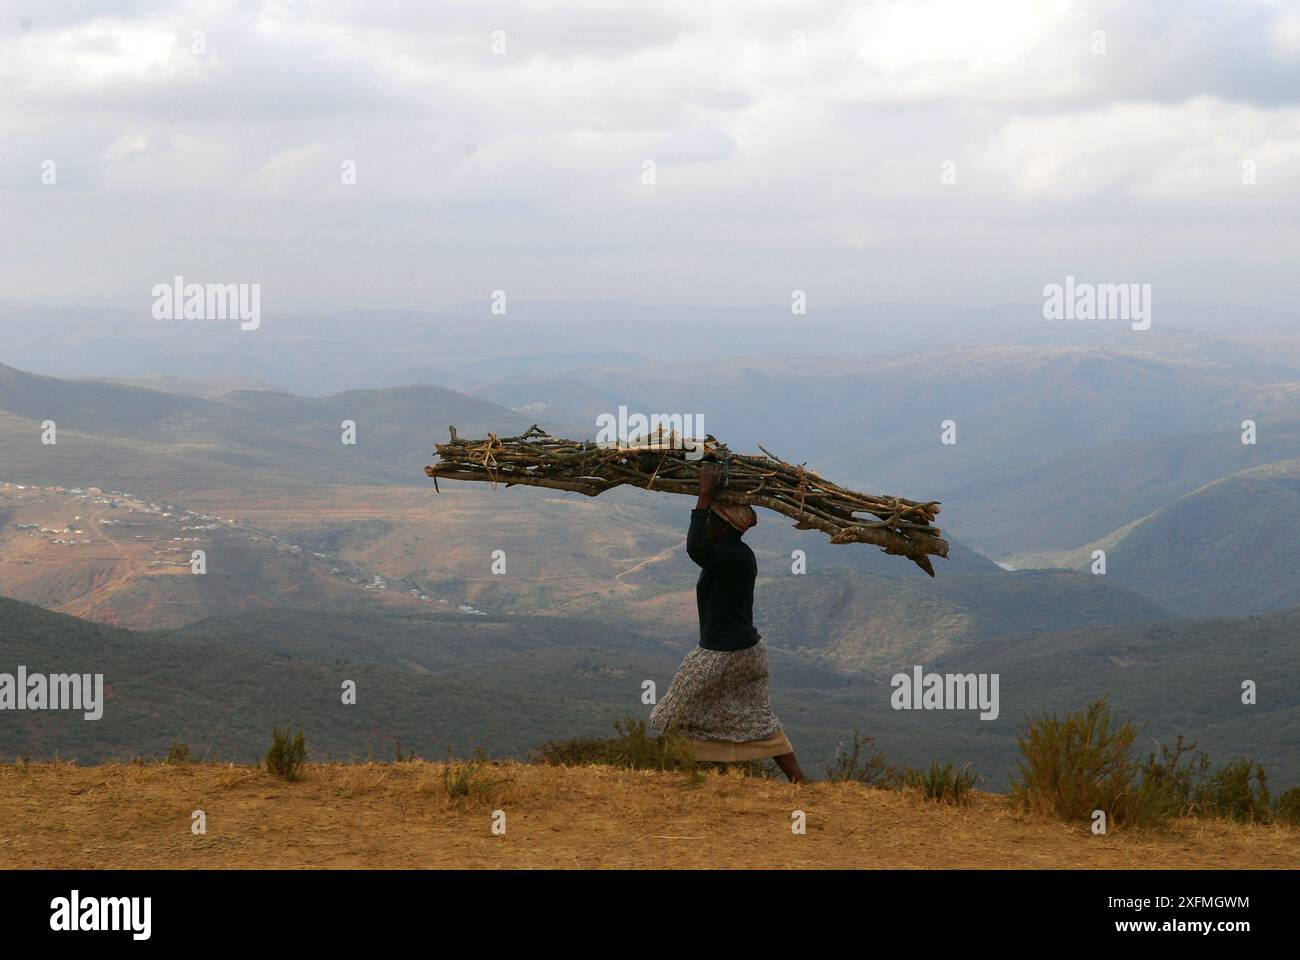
[(223, 700), (874, 624), (222, 695), (168, 444), (1056, 446), (1171, 677), (1229, 548), (1092, 492), (116, 558)]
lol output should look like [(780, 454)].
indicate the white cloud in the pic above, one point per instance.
[(1165, 158), (777, 161)]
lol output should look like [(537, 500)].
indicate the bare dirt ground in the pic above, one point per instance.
[(400, 815)]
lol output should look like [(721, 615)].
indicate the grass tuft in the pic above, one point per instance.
[(287, 754), (632, 748), (859, 766), (468, 781), (942, 784), (178, 753)]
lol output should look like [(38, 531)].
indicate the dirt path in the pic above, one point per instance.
[(659, 557), (398, 815)]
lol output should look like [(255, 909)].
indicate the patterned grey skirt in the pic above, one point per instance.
[(719, 699)]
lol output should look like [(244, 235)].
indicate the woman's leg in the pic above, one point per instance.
[(689, 701), (790, 767)]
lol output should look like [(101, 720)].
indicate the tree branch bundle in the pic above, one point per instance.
[(900, 527)]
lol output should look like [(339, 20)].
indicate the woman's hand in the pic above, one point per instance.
[(710, 484)]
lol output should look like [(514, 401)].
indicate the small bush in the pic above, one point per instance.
[(1076, 764), (579, 752), (179, 753), (946, 784), (468, 779), (633, 748), (1286, 808), (1083, 762), (1238, 791), (287, 753), (401, 757), (1167, 782), (859, 766)]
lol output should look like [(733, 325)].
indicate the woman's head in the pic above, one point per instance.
[(730, 520)]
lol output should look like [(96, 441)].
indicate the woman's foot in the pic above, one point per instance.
[(790, 767)]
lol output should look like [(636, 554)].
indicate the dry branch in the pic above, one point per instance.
[(900, 527)]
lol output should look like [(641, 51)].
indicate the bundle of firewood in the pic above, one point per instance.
[(665, 462)]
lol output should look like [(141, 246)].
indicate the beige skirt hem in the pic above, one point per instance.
[(722, 751)]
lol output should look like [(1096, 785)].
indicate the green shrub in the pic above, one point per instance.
[(636, 749), (946, 784), (179, 752), (1286, 808), (1076, 764), (578, 752), (468, 779), (1083, 762), (401, 757), (1238, 791), (1167, 782), (632, 748), (858, 766), (287, 753)]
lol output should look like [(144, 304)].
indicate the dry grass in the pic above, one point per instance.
[(399, 815)]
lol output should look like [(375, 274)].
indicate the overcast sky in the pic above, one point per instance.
[(796, 145)]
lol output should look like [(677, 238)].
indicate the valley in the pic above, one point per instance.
[(325, 559)]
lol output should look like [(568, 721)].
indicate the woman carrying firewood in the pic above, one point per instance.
[(719, 697)]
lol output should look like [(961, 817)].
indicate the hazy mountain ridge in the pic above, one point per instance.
[(1227, 548), (866, 623), (165, 443)]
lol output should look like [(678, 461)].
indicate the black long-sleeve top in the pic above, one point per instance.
[(724, 594)]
